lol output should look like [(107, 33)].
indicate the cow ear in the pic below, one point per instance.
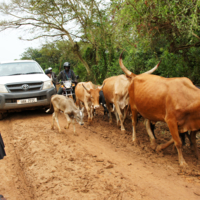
[(83, 109), (101, 87), (86, 89)]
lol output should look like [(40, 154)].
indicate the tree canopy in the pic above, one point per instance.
[(92, 33), (71, 19)]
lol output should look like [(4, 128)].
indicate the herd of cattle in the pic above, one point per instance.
[(175, 101)]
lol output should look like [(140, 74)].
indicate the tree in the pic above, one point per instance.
[(56, 19), (52, 54), (31, 54), (147, 21)]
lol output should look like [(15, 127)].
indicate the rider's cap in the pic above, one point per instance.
[(49, 68)]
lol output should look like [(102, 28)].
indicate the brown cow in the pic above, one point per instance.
[(68, 107), (115, 92), (173, 100), (88, 93)]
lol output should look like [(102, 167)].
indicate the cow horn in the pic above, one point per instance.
[(125, 70), (86, 89), (153, 69), (101, 87)]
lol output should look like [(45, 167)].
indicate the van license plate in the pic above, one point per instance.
[(23, 101)]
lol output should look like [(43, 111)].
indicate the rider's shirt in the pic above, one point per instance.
[(68, 74), (63, 76)]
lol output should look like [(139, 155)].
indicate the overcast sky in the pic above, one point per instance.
[(11, 47)]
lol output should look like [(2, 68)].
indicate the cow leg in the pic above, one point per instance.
[(194, 144), (163, 146), (182, 136), (117, 117), (92, 112), (106, 112), (53, 120), (109, 111), (175, 135), (125, 112), (68, 120), (152, 138), (134, 122), (77, 103), (56, 118), (189, 137), (152, 126), (88, 112), (121, 118)]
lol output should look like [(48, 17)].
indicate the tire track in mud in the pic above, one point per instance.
[(152, 169), (147, 170), (99, 162), (56, 167), (13, 184)]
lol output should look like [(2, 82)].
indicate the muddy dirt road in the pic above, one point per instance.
[(99, 162)]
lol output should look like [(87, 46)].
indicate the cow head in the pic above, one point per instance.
[(94, 96), (79, 115)]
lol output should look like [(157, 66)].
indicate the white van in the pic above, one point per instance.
[(23, 84)]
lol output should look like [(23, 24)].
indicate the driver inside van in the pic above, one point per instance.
[(66, 74)]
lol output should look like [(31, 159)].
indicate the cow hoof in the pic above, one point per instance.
[(110, 121), (66, 127), (153, 146), (123, 129), (184, 166), (52, 128), (136, 143), (89, 121), (159, 148)]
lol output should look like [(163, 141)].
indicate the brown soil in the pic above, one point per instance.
[(98, 162)]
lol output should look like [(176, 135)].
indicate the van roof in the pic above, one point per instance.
[(17, 61)]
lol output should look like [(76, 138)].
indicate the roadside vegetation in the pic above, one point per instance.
[(91, 34)]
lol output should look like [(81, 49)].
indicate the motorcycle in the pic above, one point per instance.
[(68, 87)]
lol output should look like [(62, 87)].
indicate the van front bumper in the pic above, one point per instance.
[(8, 101)]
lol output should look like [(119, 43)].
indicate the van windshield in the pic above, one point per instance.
[(19, 68)]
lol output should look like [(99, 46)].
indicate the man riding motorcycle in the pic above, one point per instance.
[(66, 74)]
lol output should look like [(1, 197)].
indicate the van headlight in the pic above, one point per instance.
[(47, 85), (3, 89)]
